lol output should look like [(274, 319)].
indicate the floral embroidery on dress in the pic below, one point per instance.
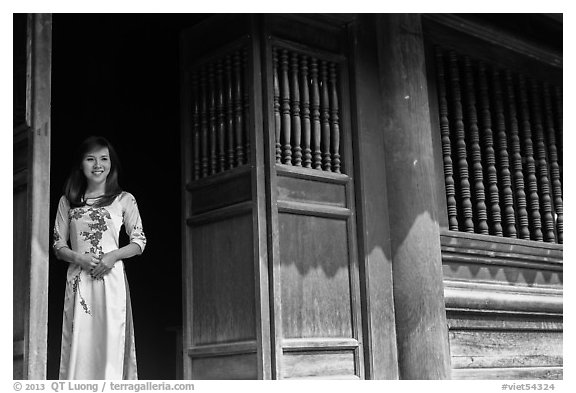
[(55, 236), (98, 226), (76, 289)]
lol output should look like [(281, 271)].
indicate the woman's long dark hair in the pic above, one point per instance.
[(75, 185)]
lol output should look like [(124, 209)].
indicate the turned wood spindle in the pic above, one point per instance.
[(195, 126), (554, 166), (316, 127), (277, 123), (305, 104), (334, 118), (229, 103), (460, 143), (212, 117), (285, 108), (295, 109), (478, 194), (325, 117), (516, 158), (446, 143), (220, 116), (542, 164), (246, 107), (204, 123), (530, 171), (238, 109), (503, 157), (489, 154)]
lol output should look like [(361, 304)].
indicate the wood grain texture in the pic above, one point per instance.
[(372, 215), (222, 191), (480, 297), (319, 364), (303, 190), (423, 351), (495, 349), (551, 373), (223, 281), (315, 275), (35, 258), (225, 367)]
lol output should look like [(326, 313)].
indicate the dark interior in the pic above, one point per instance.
[(118, 76)]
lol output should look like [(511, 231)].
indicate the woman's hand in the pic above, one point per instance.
[(87, 261), (104, 266)]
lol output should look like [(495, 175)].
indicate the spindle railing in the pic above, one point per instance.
[(220, 108), (501, 136), (306, 111)]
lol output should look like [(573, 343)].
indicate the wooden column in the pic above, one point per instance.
[(372, 209), (422, 337), (31, 205)]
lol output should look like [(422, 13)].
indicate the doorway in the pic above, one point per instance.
[(117, 76)]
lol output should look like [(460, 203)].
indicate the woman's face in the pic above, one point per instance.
[(96, 165)]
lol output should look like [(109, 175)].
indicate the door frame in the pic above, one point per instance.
[(33, 138)]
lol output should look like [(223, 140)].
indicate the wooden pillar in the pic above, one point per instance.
[(37, 228), (372, 209), (422, 337)]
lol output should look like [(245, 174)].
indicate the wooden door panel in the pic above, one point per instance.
[(223, 283), (315, 277)]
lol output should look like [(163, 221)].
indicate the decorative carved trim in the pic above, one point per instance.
[(494, 298), (483, 249)]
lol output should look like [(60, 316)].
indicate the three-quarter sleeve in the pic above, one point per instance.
[(132, 220), (61, 225)]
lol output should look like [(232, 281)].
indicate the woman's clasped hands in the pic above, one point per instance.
[(98, 266)]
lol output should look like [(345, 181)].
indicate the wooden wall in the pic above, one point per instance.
[(502, 288), (315, 214)]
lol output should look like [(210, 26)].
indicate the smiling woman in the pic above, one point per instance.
[(97, 332)]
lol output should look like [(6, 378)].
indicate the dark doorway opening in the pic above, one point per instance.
[(117, 75)]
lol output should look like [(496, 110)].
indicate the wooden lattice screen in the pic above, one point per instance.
[(501, 135), (306, 112), (220, 115)]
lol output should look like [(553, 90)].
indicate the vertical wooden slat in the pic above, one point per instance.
[(554, 167), (285, 108), (446, 143), (518, 175), (486, 129), (316, 127), (325, 117), (204, 123), (460, 143), (503, 157), (238, 109), (530, 171), (542, 164), (246, 106), (334, 118), (295, 109), (476, 153), (220, 116), (195, 126), (212, 118), (230, 162), (305, 102), (277, 124)]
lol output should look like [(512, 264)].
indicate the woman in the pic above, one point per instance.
[(97, 333)]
